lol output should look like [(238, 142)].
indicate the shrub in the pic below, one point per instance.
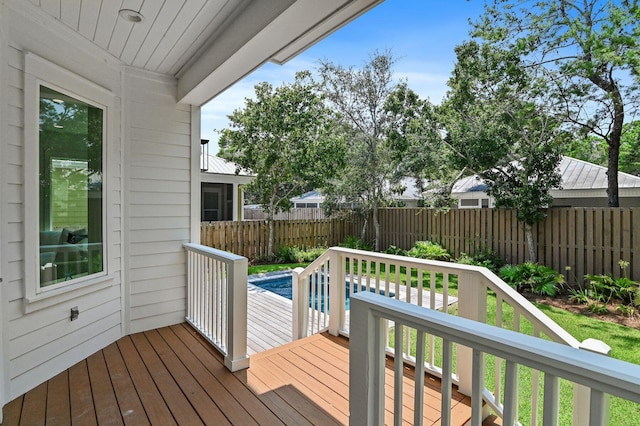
[(605, 287), (289, 254), (429, 250), (489, 259), (395, 250), (356, 243), (533, 278)]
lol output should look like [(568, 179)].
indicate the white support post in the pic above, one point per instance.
[(237, 358), (583, 403), (336, 293), (300, 308), (366, 366), (472, 304)]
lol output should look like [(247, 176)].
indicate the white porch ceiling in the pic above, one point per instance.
[(206, 44)]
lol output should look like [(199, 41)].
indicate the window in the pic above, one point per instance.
[(67, 119), (70, 146)]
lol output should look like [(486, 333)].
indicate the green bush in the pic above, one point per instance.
[(604, 288), (429, 250), (356, 243), (395, 250), (489, 259), (532, 277), (289, 254)]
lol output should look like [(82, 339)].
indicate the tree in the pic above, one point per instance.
[(588, 53), (359, 96), (498, 130), (630, 149), (287, 138)]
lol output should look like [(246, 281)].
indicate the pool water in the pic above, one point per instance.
[(280, 283)]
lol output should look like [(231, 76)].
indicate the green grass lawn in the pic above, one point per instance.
[(624, 343)]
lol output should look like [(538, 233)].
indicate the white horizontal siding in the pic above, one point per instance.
[(157, 215), (41, 343)]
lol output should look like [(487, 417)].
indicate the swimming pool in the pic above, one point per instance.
[(280, 283)]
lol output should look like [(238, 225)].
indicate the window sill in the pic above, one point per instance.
[(46, 299)]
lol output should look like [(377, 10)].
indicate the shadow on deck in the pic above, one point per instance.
[(172, 376)]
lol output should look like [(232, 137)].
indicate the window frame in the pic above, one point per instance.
[(40, 72)]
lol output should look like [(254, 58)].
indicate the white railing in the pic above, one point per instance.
[(217, 301), (601, 375), (429, 284)]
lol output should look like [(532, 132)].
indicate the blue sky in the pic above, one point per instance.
[(420, 33)]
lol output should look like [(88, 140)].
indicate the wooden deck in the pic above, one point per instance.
[(172, 376), (270, 317)]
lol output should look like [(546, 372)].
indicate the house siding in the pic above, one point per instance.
[(158, 168), (39, 343)]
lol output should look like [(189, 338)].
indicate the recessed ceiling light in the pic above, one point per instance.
[(58, 126), (58, 101), (131, 15)]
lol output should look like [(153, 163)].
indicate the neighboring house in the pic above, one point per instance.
[(308, 200), (99, 159), (221, 189), (410, 196), (583, 185)]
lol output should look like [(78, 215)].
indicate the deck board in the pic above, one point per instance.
[(173, 376)]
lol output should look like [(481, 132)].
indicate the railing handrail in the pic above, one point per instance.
[(598, 372), (214, 253)]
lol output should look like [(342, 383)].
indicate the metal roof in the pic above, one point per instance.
[(219, 166), (576, 174)]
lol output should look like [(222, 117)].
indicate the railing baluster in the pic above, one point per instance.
[(398, 374), (446, 383), (477, 385), (418, 404), (445, 292), (510, 393), (551, 410)]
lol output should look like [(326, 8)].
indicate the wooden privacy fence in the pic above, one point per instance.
[(293, 214), (586, 240), (251, 238)]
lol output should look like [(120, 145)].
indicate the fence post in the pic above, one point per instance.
[(237, 358), (583, 408), (300, 294), (472, 304)]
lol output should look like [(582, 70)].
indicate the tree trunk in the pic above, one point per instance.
[(528, 232), (612, 171), (270, 253), (376, 227), (363, 233)]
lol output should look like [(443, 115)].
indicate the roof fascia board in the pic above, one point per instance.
[(206, 78)]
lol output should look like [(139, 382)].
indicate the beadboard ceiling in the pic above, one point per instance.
[(170, 33), (206, 44)]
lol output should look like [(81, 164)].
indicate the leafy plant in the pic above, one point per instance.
[(429, 250), (356, 243), (579, 296), (532, 277), (626, 310), (289, 254), (395, 250), (597, 308), (488, 259), (605, 287)]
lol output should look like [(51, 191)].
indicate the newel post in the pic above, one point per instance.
[(236, 357), (472, 304), (300, 294), (591, 407), (336, 293)]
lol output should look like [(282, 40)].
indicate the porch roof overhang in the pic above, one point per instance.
[(299, 26), (206, 45)]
